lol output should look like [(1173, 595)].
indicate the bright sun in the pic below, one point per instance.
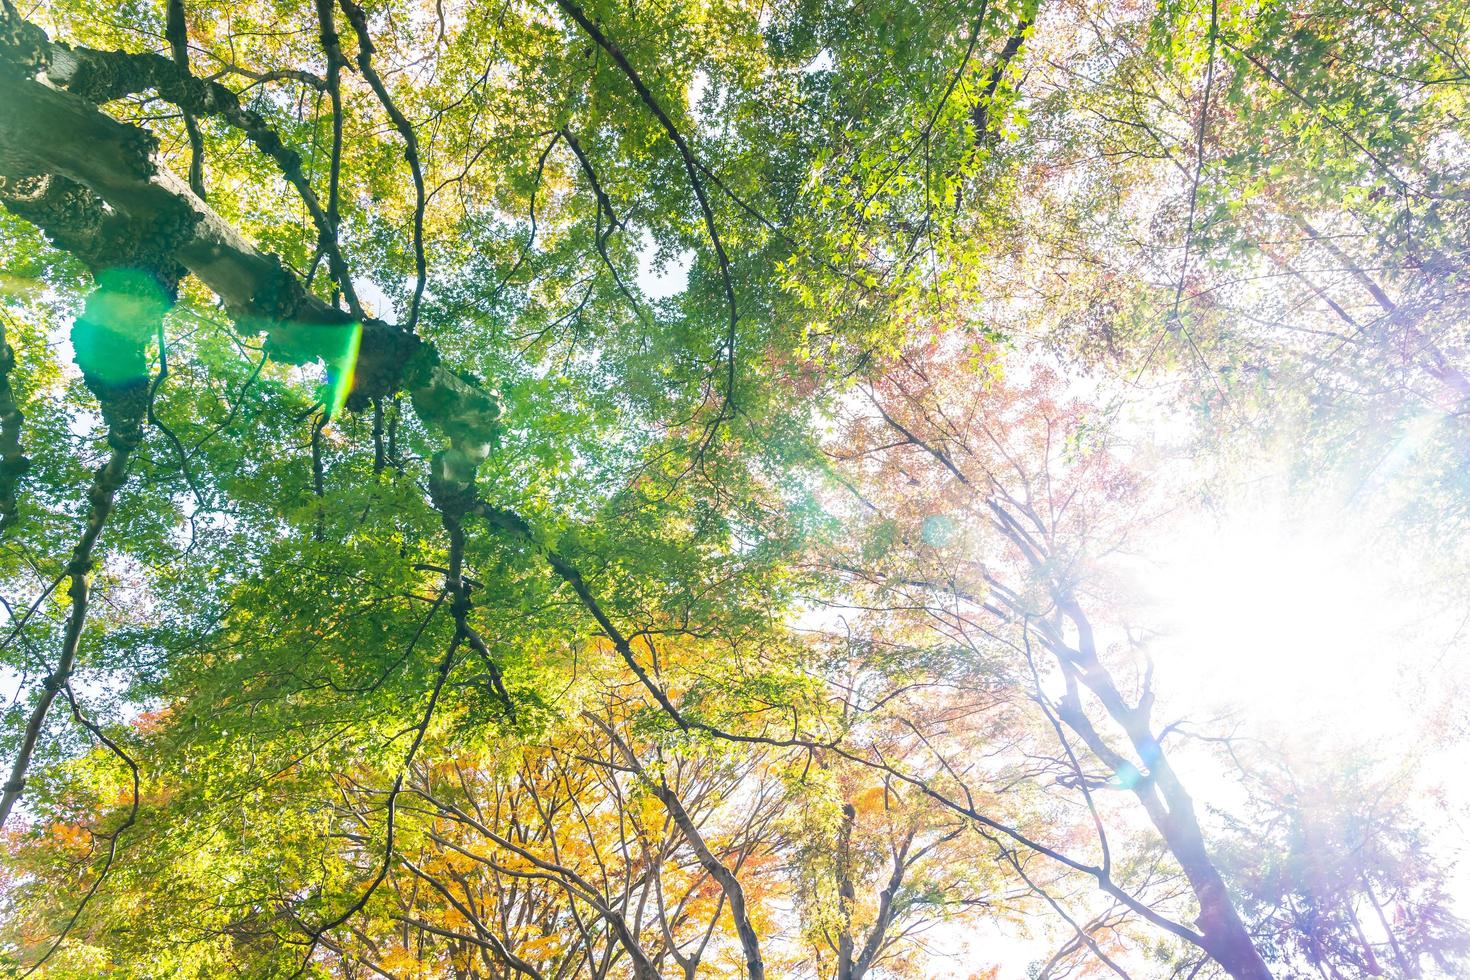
[(1285, 620)]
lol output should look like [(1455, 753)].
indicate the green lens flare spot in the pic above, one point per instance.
[(939, 530), (121, 314), (341, 368)]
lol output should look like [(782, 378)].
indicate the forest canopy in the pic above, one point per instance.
[(782, 489)]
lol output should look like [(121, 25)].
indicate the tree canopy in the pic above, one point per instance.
[(575, 488)]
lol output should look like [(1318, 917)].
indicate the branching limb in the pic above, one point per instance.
[(365, 51), (104, 487), (728, 882), (13, 461), (445, 666), (108, 337), (453, 585), (1083, 936), (177, 31), (693, 169), (332, 46), (101, 76), (604, 207), (565, 878), (485, 938), (112, 838)]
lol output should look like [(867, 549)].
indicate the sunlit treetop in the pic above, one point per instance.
[(619, 490)]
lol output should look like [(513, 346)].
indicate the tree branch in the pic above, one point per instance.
[(692, 168)]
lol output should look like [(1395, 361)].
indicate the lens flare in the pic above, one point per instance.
[(1283, 618), (342, 370)]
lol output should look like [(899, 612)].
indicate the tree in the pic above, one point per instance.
[(398, 583)]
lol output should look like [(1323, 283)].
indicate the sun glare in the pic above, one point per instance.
[(1284, 619)]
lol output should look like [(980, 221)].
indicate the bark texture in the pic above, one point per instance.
[(88, 159)]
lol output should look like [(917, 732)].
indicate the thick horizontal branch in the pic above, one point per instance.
[(117, 164)]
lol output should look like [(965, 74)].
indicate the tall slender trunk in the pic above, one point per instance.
[(846, 893), (1168, 804)]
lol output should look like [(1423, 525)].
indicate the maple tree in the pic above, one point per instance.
[(591, 489)]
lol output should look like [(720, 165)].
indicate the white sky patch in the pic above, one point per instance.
[(374, 301), (1293, 610), (698, 86), (1278, 617), (822, 62), (661, 277), (1313, 627)]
